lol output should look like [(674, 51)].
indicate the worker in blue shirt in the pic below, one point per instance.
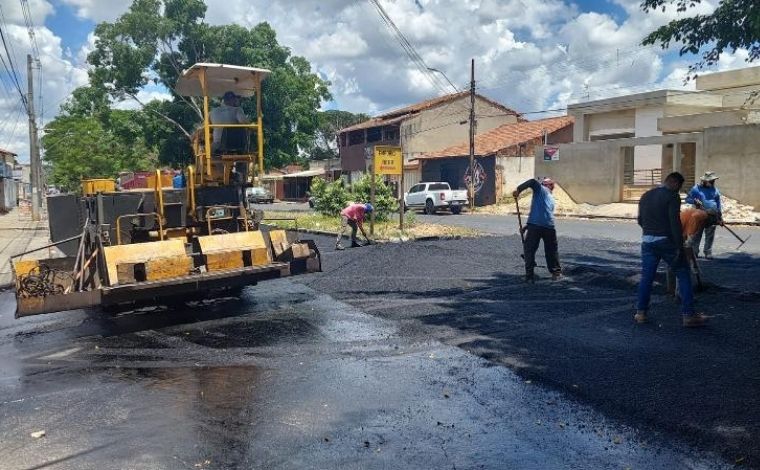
[(540, 226), (706, 196)]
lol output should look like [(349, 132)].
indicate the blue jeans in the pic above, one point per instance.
[(651, 254)]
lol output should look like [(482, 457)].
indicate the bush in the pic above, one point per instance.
[(385, 200), (331, 198)]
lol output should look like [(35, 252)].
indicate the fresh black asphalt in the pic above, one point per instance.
[(414, 355)]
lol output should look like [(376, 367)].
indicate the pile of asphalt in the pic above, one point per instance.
[(577, 335)]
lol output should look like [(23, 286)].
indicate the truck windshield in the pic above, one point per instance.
[(439, 186)]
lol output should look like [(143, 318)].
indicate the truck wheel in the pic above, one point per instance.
[(429, 207), (456, 210)]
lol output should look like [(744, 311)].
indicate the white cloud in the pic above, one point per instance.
[(99, 10), (144, 96), (59, 74)]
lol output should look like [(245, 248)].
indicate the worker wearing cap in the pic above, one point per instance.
[(705, 196), (229, 112), (540, 226), (353, 215)]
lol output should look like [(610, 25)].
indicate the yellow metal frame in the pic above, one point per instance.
[(148, 214), (159, 191), (203, 159), (210, 219)]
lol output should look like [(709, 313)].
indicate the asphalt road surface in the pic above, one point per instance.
[(609, 229), (415, 355)]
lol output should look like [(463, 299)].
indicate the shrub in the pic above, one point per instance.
[(331, 198), (385, 200)]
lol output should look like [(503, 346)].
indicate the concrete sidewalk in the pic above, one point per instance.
[(18, 233)]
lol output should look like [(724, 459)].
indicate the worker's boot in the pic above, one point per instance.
[(530, 277), (694, 321), (557, 276), (339, 247), (355, 244), (640, 317)]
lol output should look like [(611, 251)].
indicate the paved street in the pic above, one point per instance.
[(621, 230), (420, 355)]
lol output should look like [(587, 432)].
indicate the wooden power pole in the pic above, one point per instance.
[(472, 135), (34, 151)]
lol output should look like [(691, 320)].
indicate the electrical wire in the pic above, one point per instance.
[(410, 51)]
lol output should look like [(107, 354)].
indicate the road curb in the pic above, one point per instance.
[(382, 241), (610, 217)]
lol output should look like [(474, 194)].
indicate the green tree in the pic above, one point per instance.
[(329, 123), (80, 147), (155, 40), (734, 24)]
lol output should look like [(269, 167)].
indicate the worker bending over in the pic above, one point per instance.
[(353, 215), (540, 226)]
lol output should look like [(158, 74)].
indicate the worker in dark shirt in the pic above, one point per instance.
[(540, 227), (662, 239)]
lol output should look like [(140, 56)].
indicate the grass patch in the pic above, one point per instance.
[(383, 230)]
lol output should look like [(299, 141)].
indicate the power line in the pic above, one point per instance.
[(408, 48), (28, 20), (10, 67), (15, 124), (568, 63)]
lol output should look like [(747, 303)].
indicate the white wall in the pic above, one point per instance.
[(515, 173), (647, 156), (613, 122)]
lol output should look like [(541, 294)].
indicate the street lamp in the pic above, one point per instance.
[(444, 76)]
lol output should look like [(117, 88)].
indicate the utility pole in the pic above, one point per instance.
[(34, 155), (472, 135)]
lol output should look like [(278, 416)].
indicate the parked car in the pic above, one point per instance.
[(258, 195), (435, 196)]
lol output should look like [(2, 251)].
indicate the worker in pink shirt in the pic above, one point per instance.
[(353, 215)]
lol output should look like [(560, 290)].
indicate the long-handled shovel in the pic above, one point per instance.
[(519, 221), (522, 237), (737, 236), (692, 259)]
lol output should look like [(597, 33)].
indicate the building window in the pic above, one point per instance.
[(391, 134), (374, 134), (356, 137)]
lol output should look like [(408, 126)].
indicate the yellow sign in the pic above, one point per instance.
[(388, 160)]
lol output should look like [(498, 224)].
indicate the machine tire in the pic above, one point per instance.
[(429, 207), (456, 210)]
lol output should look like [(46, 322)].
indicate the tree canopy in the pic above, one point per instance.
[(80, 147), (329, 123), (735, 24), (146, 49)]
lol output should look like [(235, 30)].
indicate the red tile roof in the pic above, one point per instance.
[(503, 137), (398, 115)]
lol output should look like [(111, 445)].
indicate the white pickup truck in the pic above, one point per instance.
[(435, 196)]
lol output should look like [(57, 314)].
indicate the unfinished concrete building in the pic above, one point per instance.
[(623, 146)]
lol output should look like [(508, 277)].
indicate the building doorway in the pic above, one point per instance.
[(642, 170)]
